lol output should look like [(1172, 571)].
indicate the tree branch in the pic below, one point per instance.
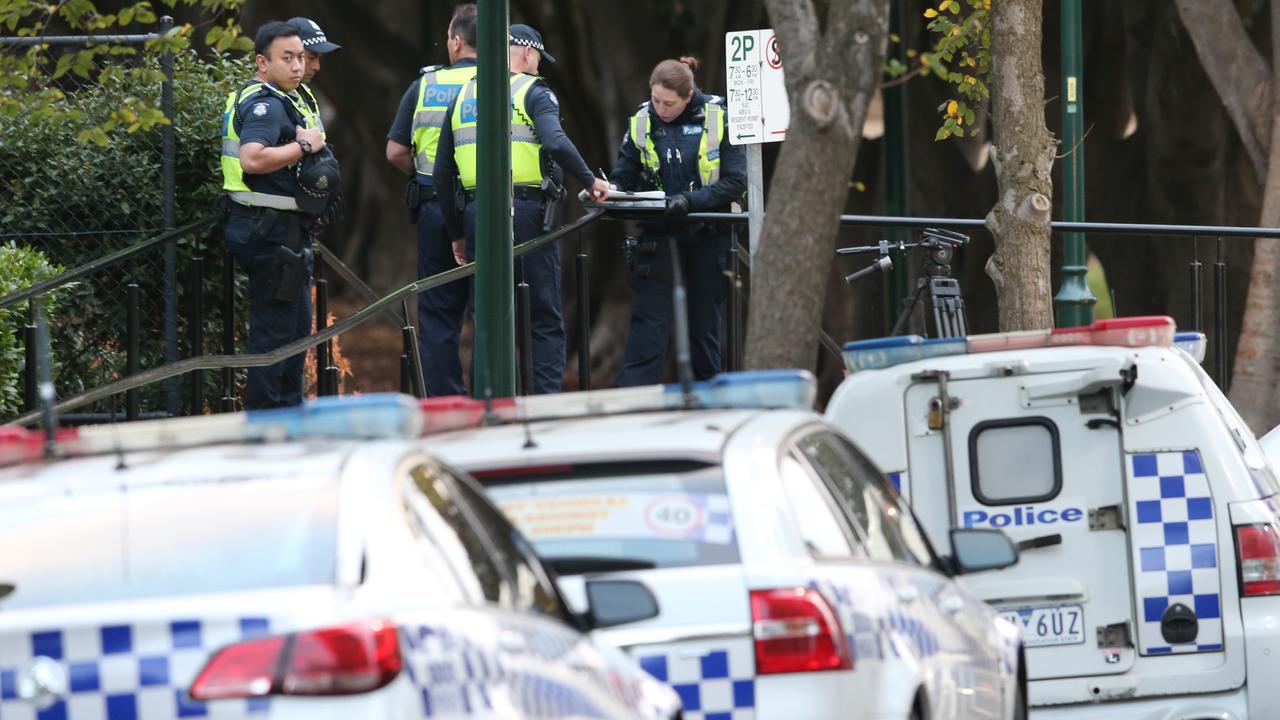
[(1237, 70)]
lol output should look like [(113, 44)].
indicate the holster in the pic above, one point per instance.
[(552, 196), (413, 199), (293, 257), (639, 256)]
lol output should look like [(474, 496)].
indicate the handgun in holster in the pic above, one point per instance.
[(293, 257), (638, 255), (413, 199), (552, 195)]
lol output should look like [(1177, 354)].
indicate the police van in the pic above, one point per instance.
[(1143, 506)]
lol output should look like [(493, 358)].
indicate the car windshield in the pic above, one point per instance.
[(620, 516), (171, 539)]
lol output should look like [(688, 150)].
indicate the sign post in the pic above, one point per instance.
[(758, 110)]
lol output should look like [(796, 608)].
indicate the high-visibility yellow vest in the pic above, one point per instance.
[(708, 149), (436, 89), (526, 150), (232, 172)]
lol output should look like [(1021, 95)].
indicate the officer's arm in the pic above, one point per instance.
[(259, 135), (627, 170), (445, 174), (400, 136), (732, 183), (545, 114)]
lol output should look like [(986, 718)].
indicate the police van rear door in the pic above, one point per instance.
[(1039, 457)]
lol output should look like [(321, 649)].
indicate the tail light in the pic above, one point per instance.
[(796, 631), (343, 660), (1259, 550)]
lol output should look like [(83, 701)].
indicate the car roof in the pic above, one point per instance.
[(686, 434)]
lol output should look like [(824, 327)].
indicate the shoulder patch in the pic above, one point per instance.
[(260, 109), (715, 99), (643, 105), (554, 100), (429, 68)]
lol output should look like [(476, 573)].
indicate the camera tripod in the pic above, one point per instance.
[(945, 296)]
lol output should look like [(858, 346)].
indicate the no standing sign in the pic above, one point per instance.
[(758, 107)]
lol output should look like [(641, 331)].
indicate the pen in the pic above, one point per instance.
[(602, 175)]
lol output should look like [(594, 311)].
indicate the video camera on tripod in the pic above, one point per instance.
[(944, 291)]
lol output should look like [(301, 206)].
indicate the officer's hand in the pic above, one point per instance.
[(313, 136), (599, 190), (677, 206), (460, 251)]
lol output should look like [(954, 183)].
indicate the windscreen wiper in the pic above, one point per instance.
[(581, 564)]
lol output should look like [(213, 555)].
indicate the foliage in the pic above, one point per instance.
[(19, 268), (33, 82), (960, 56)]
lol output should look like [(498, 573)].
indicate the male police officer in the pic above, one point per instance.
[(536, 139), (314, 44), (411, 147), (271, 204)]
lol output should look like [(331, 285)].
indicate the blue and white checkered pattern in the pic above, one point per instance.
[(127, 672), (899, 481), (719, 685), (717, 522), (1175, 548)]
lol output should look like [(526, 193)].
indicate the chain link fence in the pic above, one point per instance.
[(75, 200)]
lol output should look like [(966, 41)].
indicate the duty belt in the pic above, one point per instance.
[(524, 192), (256, 199)]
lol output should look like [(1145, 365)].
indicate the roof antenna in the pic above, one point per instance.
[(680, 308), (48, 396)]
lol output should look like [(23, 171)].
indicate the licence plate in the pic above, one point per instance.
[(1047, 626)]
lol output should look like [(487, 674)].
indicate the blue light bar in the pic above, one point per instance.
[(1192, 343), (762, 389), (887, 352), (376, 415)]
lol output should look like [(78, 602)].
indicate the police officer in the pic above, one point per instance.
[(676, 142), (411, 147), (314, 44), (536, 140), (271, 204)]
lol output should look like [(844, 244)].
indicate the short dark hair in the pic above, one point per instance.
[(268, 33), (463, 24)]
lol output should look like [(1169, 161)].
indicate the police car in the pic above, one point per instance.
[(790, 581), (1149, 580), (281, 564)]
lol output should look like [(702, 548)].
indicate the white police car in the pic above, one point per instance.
[(790, 581), (1149, 583), (280, 564)]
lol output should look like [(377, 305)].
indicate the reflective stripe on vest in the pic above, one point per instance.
[(708, 147), (526, 150), (312, 107), (436, 90), (232, 172)]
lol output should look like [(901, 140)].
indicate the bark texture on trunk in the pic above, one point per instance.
[(1023, 158), (833, 69)]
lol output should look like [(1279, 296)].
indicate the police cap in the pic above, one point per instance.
[(312, 36), (318, 178), (528, 37)]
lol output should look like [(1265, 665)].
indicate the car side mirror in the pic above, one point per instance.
[(618, 602), (974, 550)]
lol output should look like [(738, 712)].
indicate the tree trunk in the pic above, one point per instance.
[(832, 71), (1023, 157), (1244, 84)]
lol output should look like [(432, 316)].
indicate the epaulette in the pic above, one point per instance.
[(716, 99), (430, 68)]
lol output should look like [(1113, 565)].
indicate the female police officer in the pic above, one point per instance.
[(676, 142)]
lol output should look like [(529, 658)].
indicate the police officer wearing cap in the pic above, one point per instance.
[(278, 176), (411, 147), (539, 149), (314, 45), (676, 142)]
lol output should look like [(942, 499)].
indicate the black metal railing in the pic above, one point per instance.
[(411, 380)]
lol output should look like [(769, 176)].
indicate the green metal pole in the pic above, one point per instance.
[(495, 336), (895, 143), (1074, 302)]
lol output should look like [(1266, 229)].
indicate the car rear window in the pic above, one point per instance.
[(178, 539), (620, 515)]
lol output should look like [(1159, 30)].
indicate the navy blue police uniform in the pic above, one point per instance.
[(279, 300), (540, 268), (703, 248), (441, 310)]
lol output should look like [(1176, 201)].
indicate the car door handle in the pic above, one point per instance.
[(512, 642), (951, 604), (908, 593)]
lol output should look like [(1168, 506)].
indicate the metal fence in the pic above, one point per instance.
[(75, 201)]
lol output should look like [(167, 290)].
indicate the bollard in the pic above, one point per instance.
[(196, 290), (584, 317), (731, 339), (322, 322), (331, 377), (131, 351), (228, 331), (523, 298), (1220, 317), (31, 390), (406, 387), (417, 386)]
